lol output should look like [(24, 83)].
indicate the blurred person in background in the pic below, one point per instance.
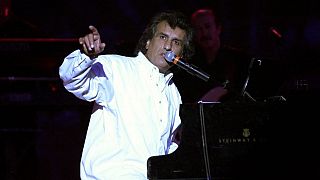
[(226, 65)]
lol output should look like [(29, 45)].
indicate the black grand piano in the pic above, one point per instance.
[(241, 140)]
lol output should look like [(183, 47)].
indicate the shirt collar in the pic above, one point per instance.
[(163, 79)]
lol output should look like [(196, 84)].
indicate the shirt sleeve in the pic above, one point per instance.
[(74, 65), (85, 78)]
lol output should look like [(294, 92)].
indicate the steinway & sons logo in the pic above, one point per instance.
[(245, 138)]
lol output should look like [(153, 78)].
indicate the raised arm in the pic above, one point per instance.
[(76, 69)]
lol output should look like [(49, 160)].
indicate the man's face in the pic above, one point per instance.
[(165, 39), (207, 32)]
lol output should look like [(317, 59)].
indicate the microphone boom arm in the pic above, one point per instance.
[(192, 69)]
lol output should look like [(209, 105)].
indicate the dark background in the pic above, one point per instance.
[(42, 127)]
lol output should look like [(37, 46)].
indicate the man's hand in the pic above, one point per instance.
[(215, 94), (91, 43)]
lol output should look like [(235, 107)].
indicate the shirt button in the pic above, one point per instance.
[(160, 120), (159, 102)]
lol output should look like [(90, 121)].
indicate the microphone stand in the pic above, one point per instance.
[(243, 91)]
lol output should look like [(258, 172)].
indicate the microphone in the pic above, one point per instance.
[(172, 58)]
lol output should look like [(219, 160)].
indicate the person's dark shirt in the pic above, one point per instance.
[(229, 69)]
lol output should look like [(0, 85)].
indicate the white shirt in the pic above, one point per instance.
[(136, 110)]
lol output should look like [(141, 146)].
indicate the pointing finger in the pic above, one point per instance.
[(94, 30)]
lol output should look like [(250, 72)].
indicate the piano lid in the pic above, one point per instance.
[(234, 141)]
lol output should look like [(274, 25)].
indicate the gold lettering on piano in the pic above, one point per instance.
[(241, 139), (229, 140)]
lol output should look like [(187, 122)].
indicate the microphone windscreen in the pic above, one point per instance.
[(169, 56)]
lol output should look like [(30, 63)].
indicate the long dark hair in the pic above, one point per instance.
[(174, 19)]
